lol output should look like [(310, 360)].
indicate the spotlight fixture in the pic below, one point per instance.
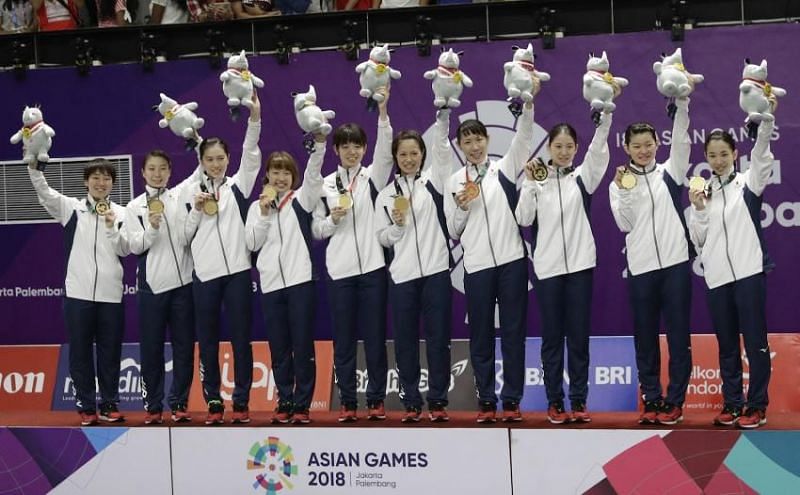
[(216, 47), (423, 37), (84, 55), (20, 58), (678, 10), (351, 42), (282, 46), (547, 29)]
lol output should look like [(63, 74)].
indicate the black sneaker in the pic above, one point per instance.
[(110, 414)]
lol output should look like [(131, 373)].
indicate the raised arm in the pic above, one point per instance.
[(595, 163), (442, 156), (518, 153), (57, 205), (761, 159), (381, 169), (678, 164), (312, 177), (250, 165)]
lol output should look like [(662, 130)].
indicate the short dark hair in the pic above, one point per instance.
[(562, 128), (102, 166), (470, 127), (720, 135), (639, 128), (282, 160), (349, 133), (157, 154), (408, 135), (207, 143)]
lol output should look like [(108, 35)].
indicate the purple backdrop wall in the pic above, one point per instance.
[(109, 112)]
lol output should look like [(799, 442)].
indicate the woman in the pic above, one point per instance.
[(479, 202), (163, 287), (725, 226), (354, 260), (215, 209), (16, 16), (645, 200), (93, 310), (410, 223), (557, 204), (278, 230)]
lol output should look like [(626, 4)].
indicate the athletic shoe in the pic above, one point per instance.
[(579, 413), (216, 413), (110, 414), (153, 418), (438, 414), (556, 413), (487, 413), (283, 414), (752, 418), (511, 412), (412, 415), (347, 414), (301, 417), (88, 418), (241, 414), (650, 413), (670, 414), (180, 414), (729, 415), (376, 411)]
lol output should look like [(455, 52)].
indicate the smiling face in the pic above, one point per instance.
[(562, 150), (641, 148), (409, 157), (350, 154), (99, 185), (475, 147), (720, 156), (215, 161), (281, 179), (156, 172)]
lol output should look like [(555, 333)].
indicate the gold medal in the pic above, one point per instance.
[(540, 172), (628, 180), (270, 193), (401, 204), (155, 205), (345, 201), (697, 183), (472, 190), (102, 207), (210, 206)]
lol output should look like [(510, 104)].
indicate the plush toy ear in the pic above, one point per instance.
[(591, 54), (747, 61), (155, 108), (460, 54), (293, 94), (515, 47)]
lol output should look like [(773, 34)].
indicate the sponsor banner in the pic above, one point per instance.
[(705, 385), (27, 377), (461, 394), (612, 375), (264, 392), (130, 380), (654, 461), (285, 461)]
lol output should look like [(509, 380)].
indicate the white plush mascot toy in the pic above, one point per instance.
[(600, 87), (754, 95), (673, 80), (36, 136), (180, 119), (519, 74), (375, 73), (309, 116), (238, 83), (448, 81)]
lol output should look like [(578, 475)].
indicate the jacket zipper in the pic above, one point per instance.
[(414, 219), (725, 229), (355, 228), (172, 247), (561, 211), (280, 249), (488, 228), (653, 218), (96, 225)]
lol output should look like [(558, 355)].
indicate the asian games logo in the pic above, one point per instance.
[(501, 126), (275, 464)]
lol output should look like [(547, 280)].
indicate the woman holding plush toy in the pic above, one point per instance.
[(355, 263), (555, 199), (410, 222), (214, 220), (725, 226), (278, 229), (645, 201)]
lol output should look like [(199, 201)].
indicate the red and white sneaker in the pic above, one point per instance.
[(670, 414), (650, 413), (556, 413), (487, 413), (412, 415), (438, 414), (376, 411), (153, 418), (110, 414), (282, 415), (347, 414), (216, 413), (181, 415), (301, 417), (752, 418), (241, 414), (728, 416), (579, 413), (511, 412), (88, 418)]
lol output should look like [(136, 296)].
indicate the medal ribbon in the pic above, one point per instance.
[(351, 187), (480, 171), (285, 200)]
